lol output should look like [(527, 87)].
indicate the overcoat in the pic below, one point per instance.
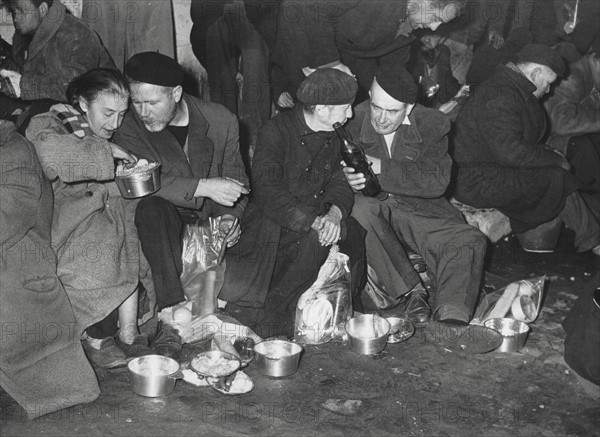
[(502, 161), (42, 364), (62, 48), (93, 230)]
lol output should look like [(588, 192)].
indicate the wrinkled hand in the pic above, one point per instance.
[(227, 221), (15, 81), (224, 191), (285, 100), (329, 226), (120, 153), (495, 39)]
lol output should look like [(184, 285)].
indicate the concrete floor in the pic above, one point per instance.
[(420, 388)]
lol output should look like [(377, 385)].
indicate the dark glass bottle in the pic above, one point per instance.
[(354, 156)]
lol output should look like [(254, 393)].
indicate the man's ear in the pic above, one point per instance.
[(83, 105), (177, 93), (534, 72), (321, 110), (43, 9)]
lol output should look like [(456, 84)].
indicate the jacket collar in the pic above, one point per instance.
[(523, 84), (48, 28)]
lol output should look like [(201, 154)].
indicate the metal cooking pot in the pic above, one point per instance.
[(367, 333), (277, 358), (139, 184), (154, 375)]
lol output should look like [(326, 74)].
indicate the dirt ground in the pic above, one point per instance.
[(421, 388)]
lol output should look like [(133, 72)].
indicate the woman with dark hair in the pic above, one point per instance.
[(93, 231)]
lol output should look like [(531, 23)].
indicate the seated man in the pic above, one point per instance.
[(574, 110), (43, 373), (406, 144), (501, 160), (300, 206), (202, 173), (53, 47)]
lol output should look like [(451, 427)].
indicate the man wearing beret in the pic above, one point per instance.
[(501, 159), (202, 174), (407, 146), (300, 206)]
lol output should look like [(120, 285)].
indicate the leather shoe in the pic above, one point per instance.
[(417, 308), (452, 315), (167, 341), (109, 356), (138, 348)]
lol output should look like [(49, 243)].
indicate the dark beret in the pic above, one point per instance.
[(327, 86), (397, 82), (154, 68), (543, 55)]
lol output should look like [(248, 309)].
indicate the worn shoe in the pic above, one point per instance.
[(417, 308), (138, 348), (109, 356), (452, 315), (167, 341)]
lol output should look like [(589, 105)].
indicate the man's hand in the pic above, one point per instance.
[(120, 153), (15, 81), (285, 100), (356, 181), (495, 39), (224, 191), (225, 227), (329, 226)]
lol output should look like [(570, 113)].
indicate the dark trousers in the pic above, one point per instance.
[(299, 258), (230, 37), (453, 250), (160, 228), (583, 153)]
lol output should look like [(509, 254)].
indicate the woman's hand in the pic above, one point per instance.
[(120, 153)]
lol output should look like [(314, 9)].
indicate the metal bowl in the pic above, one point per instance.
[(367, 333), (400, 329), (154, 375), (140, 183), (514, 333), (277, 358)]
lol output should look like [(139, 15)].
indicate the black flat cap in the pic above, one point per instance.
[(327, 86), (154, 68), (543, 55), (397, 82)]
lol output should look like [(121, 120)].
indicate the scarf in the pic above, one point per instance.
[(74, 121)]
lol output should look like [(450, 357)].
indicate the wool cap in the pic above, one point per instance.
[(397, 82), (543, 55), (327, 86), (154, 68)]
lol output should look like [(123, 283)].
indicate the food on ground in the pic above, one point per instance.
[(214, 365), (182, 316)]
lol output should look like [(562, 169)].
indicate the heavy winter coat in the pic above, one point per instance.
[(42, 364), (500, 156), (93, 230), (62, 48), (296, 176)]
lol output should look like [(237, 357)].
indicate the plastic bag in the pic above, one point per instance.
[(519, 300), (202, 276), (327, 303)]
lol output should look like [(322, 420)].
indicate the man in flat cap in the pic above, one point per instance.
[(407, 146), (502, 161), (300, 206), (202, 174)]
